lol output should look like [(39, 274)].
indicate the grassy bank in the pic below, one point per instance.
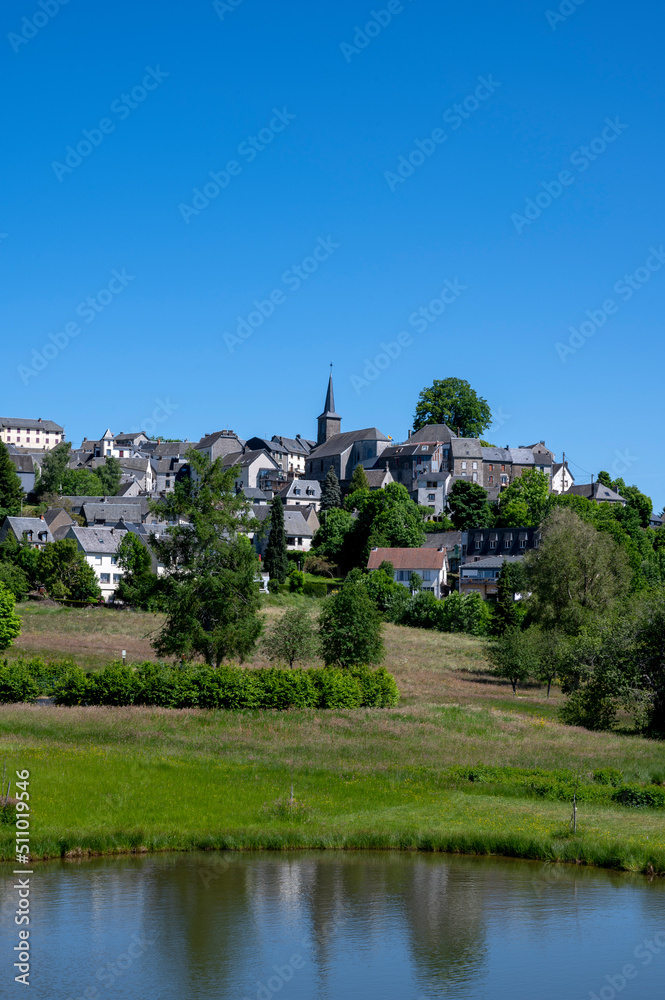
[(105, 780)]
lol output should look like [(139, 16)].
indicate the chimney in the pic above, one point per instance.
[(410, 433)]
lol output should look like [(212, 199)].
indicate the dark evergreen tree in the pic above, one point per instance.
[(11, 491), (331, 494), (359, 480), (276, 560)]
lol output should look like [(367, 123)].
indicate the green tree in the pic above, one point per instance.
[(66, 574), (10, 623), (291, 638), (110, 475), (331, 494), (210, 591), (452, 401), (359, 480), (81, 483), (14, 579), (515, 656), (577, 571), (469, 506), (350, 629), (138, 585), (525, 502), (507, 612), (276, 560), (11, 491), (54, 465), (329, 539), (387, 517)]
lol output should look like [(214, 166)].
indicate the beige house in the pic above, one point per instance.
[(431, 565), (37, 435)]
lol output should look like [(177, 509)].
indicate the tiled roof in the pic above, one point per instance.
[(431, 433), (415, 559), (596, 491), (19, 525), (97, 540)]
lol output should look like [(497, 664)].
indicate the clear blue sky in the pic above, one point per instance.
[(325, 169)]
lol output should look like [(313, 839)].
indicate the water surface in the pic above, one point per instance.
[(340, 926)]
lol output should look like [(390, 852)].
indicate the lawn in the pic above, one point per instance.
[(105, 779)]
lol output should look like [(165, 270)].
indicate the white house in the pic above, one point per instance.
[(562, 478), (431, 565), (38, 435), (99, 546)]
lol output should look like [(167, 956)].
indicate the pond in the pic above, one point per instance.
[(302, 926)]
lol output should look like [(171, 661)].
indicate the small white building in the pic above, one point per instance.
[(562, 478), (99, 546), (431, 565)]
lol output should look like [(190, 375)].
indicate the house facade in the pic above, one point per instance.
[(40, 435), (32, 530), (431, 565), (99, 545)]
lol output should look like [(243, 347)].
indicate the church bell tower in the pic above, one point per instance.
[(329, 422)]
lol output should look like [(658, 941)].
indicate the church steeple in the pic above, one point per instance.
[(329, 422)]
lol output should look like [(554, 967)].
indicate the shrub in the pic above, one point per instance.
[(640, 796), (313, 588), (296, 581), (422, 611), (228, 687), (16, 684)]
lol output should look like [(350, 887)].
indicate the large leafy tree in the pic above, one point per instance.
[(11, 491), (10, 623), (331, 494), (525, 502), (636, 500), (110, 475), (387, 517), (328, 542), (54, 465), (452, 401), (81, 483), (350, 629), (469, 506), (577, 572), (210, 591), (276, 560), (65, 573)]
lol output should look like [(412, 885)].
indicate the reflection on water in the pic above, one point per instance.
[(333, 925)]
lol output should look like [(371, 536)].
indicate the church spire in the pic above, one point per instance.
[(329, 422)]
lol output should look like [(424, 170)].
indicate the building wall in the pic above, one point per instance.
[(105, 566), (24, 437)]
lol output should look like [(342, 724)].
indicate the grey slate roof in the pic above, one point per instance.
[(130, 511), (443, 539), (596, 491), (99, 541), (490, 562), (498, 455), (296, 446), (431, 433), (523, 456), (19, 525), (340, 443), (466, 448), (377, 477), (294, 522), (23, 463), (309, 489), (30, 424)]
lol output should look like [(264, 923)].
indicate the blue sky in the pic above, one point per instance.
[(526, 207)]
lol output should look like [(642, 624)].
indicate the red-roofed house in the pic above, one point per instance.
[(430, 564)]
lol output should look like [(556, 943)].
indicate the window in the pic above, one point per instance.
[(492, 543), (464, 465), (114, 561), (104, 577), (297, 491), (98, 560), (522, 543), (491, 479), (479, 543), (117, 577), (475, 465), (491, 468), (431, 496)]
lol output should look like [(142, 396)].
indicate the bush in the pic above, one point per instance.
[(639, 796), (296, 581), (314, 589), (16, 684), (422, 611), (228, 687)]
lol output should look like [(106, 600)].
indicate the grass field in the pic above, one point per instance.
[(104, 779)]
